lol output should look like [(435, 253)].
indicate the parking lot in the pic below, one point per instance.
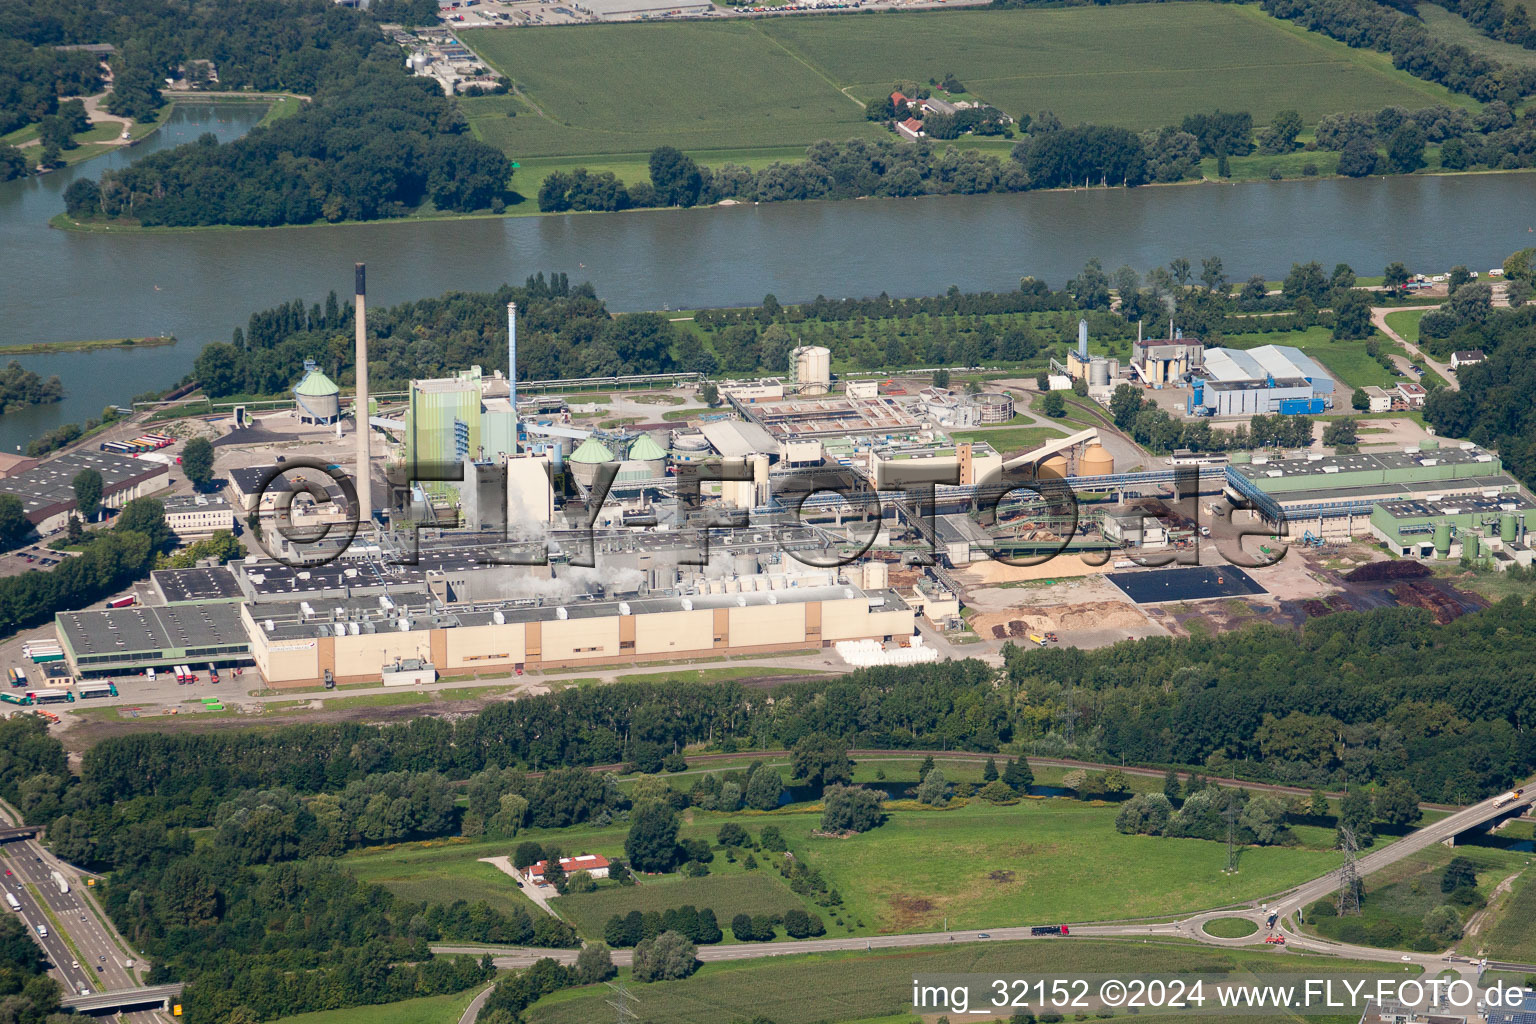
[(32, 558)]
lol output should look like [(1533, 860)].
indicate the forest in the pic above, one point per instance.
[(32, 78), (374, 144)]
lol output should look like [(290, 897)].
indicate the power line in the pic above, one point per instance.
[(623, 1003), (1348, 899)]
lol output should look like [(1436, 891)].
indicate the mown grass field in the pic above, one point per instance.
[(728, 893), (1406, 323), (1011, 439), (439, 872), (866, 986), (753, 92), (1040, 861)]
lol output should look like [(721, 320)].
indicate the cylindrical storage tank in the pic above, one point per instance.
[(812, 368), (1240, 458), (1443, 539), (1055, 466), (1096, 461), (689, 446), (585, 460), (994, 407), (650, 455), (1507, 527), (1098, 373)]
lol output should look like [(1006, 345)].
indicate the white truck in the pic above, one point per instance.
[(1508, 798), (62, 883), (12, 902)]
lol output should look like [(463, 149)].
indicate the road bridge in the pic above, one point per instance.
[(124, 999)]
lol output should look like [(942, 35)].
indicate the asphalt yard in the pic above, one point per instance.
[(1155, 586)]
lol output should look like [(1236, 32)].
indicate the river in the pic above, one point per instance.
[(199, 285)]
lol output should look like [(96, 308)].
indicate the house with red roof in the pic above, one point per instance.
[(911, 128), (593, 864)]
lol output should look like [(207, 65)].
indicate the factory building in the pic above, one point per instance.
[(1337, 493), (1161, 363), (47, 490), (1261, 381), (298, 643), (1489, 530), (198, 515), (464, 418), (316, 397)]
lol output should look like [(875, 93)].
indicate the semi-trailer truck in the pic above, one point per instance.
[(1508, 798), (1048, 929), (62, 883)]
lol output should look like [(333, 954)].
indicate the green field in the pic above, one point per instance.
[(1453, 28), (738, 892), (1231, 927), (1010, 439), (427, 1010), (756, 91), (980, 866), (865, 986), (1348, 361), (441, 872), (1513, 937), (1398, 896), (1406, 323)]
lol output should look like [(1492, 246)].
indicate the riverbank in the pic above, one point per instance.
[(525, 208), (40, 348)]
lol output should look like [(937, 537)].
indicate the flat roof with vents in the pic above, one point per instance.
[(151, 636)]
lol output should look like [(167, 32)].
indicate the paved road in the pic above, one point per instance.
[(91, 943), (1189, 928), (1379, 318)]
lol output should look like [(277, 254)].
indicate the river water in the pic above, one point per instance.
[(199, 285)]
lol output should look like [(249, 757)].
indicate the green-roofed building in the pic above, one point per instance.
[(318, 397)]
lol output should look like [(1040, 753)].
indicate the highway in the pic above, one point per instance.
[(26, 871), (1188, 928)]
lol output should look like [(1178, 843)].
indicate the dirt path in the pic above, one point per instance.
[(1379, 318), (1482, 917), (504, 865)]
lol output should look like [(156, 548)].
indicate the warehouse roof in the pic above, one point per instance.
[(49, 487), (1315, 464), (207, 584), (1284, 363), (736, 439), (1460, 504), (144, 630)]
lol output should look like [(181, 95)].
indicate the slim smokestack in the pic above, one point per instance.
[(512, 364), (364, 485)]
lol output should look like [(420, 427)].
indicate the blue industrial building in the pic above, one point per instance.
[(1264, 380)]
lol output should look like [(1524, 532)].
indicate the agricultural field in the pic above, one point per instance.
[(754, 92), (727, 890), (866, 986)]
